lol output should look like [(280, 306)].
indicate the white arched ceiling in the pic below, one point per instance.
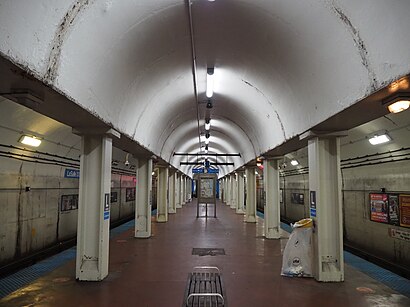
[(281, 67)]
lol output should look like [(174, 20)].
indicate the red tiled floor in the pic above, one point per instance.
[(153, 272)]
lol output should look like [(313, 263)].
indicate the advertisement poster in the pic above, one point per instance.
[(129, 194), (379, 208), (404, 210), (394, 209), (69, 202)]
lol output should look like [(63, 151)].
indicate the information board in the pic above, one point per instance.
[(206, 191), (379, 207), (404, 210)]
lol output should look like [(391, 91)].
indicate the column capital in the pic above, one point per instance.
[(322, 134), (96, 131)]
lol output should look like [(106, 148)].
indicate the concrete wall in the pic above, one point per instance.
[(359, 231), (33, 220)]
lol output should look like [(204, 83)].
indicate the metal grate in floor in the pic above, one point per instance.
[(208, 251)]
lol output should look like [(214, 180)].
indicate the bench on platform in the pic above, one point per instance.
[(205, 288)]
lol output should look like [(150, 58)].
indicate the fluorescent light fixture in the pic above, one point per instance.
[(258, 164), (379, 139), (206, 151), (294, 162), (398, 106), (153, 174), (209, 82), (256, 173), (30, 140), (206, 141), (207, 124)]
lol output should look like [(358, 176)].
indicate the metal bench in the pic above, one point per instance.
[(205, 288)]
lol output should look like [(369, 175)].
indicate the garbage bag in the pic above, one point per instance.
[(298, 254)]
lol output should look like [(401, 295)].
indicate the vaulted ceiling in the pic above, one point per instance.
[(281, 67)]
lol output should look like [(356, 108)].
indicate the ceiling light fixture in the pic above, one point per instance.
[(30, 140), (207, 124), (294, 162), (398, 102), (207, 141), (380, 139), (209, 82)]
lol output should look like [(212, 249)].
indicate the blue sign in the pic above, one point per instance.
[(106, 215), (312, 212), (197, 170), (213, 170), (72, 173)]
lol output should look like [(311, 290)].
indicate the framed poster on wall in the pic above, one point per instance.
[(379, 206), (394, 211), (404, 200)]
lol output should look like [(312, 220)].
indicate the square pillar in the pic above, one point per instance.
[(272, 198), (143, 203), (172, 192), (250, 216), (240, 208), (326, 208), (233, 191), (162, 195), (183, 189), (93, 228), (228, 190), (178, 191)]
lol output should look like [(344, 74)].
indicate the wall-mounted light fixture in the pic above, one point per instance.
[(207, 124), (209, 82), (30, 140), (294, 162), (397, 102), (380, 139)]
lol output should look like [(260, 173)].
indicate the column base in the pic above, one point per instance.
[(142, 235), (233, 206), (162, 219), (250, 219), (240, 211), (273, 233), (171, 211), (335, 276)]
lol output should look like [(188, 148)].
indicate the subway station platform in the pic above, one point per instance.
[(153, 272)]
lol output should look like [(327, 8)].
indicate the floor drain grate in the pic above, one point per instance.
[(208, 251)]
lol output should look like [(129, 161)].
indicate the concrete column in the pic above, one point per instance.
[(143, 204), (93, 228), (326, 208), (250, 195), (240, 209), (172, 192), (183, 190), (178, 194), (188, 190), (272, 201), (223, 189), (228, 190), (234, 192), (162, 199), (220, 189)]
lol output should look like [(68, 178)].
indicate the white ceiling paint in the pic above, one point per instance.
[(281, 67)]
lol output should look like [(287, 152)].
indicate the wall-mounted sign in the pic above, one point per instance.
[(198, 170), (69, 202), (129, 194), (71, 173), (404, 210), (379, 207), (399, 234), (312, 203), (394, 210), (297, 198), (213, 171), (114, 197)]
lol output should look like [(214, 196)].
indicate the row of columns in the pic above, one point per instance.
[(325, 202), (174, 190)]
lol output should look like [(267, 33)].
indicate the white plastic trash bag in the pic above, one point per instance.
[(297, 256)]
